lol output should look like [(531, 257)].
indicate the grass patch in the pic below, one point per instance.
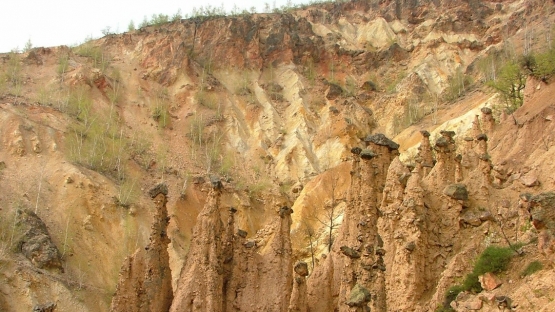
[(532, 268)]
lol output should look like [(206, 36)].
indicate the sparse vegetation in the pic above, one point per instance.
[(99, 58), (532, 268), (13, 75), (459, 84), (160, 108), (63, 63), (493, 259)]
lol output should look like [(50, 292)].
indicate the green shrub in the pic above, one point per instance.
[(544, 67), (494, 259), (509, 83), (532, 268)]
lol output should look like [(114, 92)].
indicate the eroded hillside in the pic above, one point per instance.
[(238, 163)]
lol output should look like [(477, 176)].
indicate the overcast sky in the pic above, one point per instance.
[(68, 22)]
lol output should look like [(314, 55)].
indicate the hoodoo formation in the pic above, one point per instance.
[(339, 156)]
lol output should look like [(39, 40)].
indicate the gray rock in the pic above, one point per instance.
[(284, 211), (334, 92), (359, 296), (456, 191), (216, 182), (367, 154), (250, 244), (356, 150), (35, 242), (301, 268), (486, 111), (350, 252), (447, 134), (241, 233), (49, 307), (442, 142), (482, 137), (410, 246), (381, 139)]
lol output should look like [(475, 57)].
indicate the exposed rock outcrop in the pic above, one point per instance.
[(145, 277), (542, 211), (35, 242), (358, 251), (299, 301), (201, 282), (226, 272)]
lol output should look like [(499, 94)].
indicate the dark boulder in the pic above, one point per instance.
[(350, 252), (35, 242), (359, 296), (381, 139), (456, 191)]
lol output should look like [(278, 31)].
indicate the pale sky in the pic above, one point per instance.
[(67, 22)]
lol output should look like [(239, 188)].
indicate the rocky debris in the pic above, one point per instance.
[(470, 218), (542, 211), (504, 302), (216, 182), (2, 165), (530, 179), (369, 86), (381, 139), (456, 191), (35, 242), (356, 150), (48, 307), (145, 277), (489, 281), (334, 91), (349, 252), (359, 296), (241, 233), (466, 302), (158, 189)]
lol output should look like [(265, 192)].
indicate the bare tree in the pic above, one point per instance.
[(331, 214), (311, 235)]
